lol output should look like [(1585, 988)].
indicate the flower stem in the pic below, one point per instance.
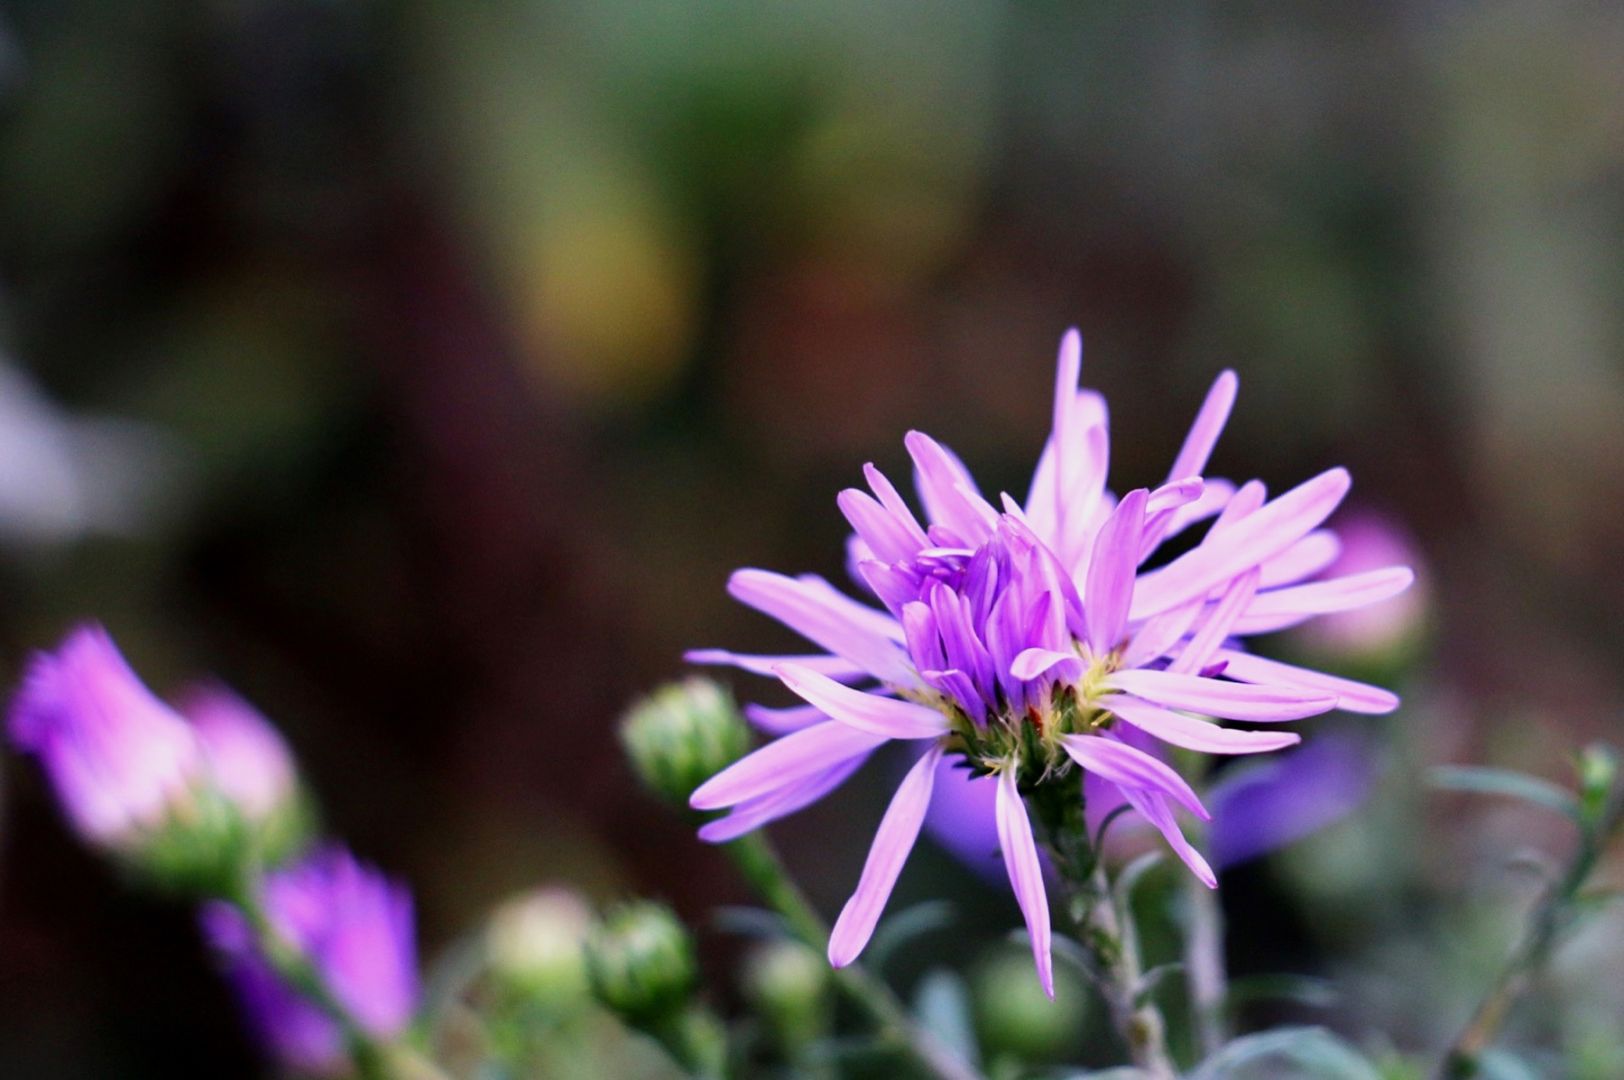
[(759, 863), (1104, 925), (1555, 912), (1207, 975)]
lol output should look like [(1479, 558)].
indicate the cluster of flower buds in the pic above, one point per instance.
[(203, 799)]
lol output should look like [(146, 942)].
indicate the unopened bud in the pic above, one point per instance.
[(682, 735), (640, 961), (789, 985), (534, 947), (1015, 1019)]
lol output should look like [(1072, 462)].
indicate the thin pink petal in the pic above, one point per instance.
[(783, 721), (1219, 623), (1035, 663), (1199, 735), (814, 609), (886, 717), (947, 490), (782, 762), (1160, 633), (1353, 696), (752, 814), (892, 842), (1154, 808), (1110, 589), (834, 667), (1304, 559), (1025, 874), (1209, 424), (1250, 541), (1126, 767), (1216, 697)]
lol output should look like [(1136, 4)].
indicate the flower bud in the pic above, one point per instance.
[(534, 948), (789, 985), (640, 961), (250, 769), (352, 928), (127, 769), (1013, 1016), (682, 735)]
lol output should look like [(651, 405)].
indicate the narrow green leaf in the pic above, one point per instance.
[(905, 927), (1484, 780), (1303, 989), (942, 1004), (1152, 979), (1315, 1052)]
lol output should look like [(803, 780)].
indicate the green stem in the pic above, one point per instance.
[(1104, 925), (1553, 914), (759, 863), (1204, 964)]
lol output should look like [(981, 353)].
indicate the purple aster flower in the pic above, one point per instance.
[(248, 762), (354, 927), (1028, 640), (119, 759)]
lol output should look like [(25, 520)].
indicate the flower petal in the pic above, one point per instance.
[(1126, 767), (1353, 696), (1025, 874), (1281, 607), (1160, 633), (1248, 542), (1199, 735), (947, 490), (1209, 424), (1303, 559), (1110, 588), (892, 842), (1220, 621), (783, 721), (1216, 697), (834, 667), (782, 762), (1155, 810), (752, 814), (886, 717), (1035, 663), (817, 611)]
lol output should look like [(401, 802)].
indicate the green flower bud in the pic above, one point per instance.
[(789, 986), (640, 962), (682, 735), (1015, 1019), (533, 946)]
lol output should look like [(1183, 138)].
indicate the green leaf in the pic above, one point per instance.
[(1152, 979), (905, 927), (1316, 1053), (748, 921), (942, 1004), (1483, 780), (1302, 989)]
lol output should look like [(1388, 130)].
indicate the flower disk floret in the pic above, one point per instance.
[(1027, 639)]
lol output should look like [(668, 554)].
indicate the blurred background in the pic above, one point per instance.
[(422, 369)]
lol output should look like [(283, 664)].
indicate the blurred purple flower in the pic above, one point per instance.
[(1280, 801), (248, 762), (1025, 640), (354, 927), (118, 758), (1370, 540)]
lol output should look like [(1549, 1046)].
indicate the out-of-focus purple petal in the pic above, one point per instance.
[(1025, 874), (1215, 697), (892, 842), (1129, 768), (886, 717), (1274, 803), (1200, 735), (763, 810), (784, 761)]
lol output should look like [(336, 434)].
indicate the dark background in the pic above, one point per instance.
[(458, 352)]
